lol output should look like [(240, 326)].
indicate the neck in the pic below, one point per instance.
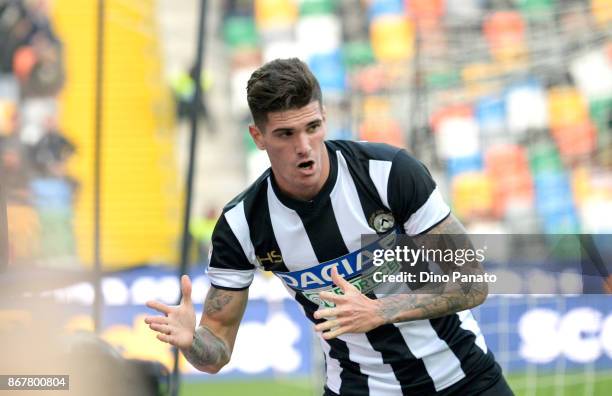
[(308, 193)]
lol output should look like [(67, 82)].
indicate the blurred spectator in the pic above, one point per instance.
[(52, 151), (33, 152), (29, 48), (15, 28), (53, 193), (183, 89), (46, 76), (15, 168)]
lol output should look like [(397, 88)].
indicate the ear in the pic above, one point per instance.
[(257, 136)]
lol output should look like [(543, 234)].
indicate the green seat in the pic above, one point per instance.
[(544, 157), (601, 112), (443, 79), (317, 7), (357, 53), (537, 9), (240, 32)]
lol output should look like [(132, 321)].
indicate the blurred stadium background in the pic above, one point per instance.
[(508, 102)]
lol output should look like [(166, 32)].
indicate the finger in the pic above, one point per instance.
[(162, 328), (164, 338), (156, 319), (156, 305), (327, 325), (340, 281), (186, 289), (334, 333), (331, 297), (326, 313)]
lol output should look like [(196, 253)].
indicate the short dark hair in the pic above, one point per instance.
[(279, 85)]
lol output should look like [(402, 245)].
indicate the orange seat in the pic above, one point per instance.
[(508, 167), (425, 9), (575, 140), (504, 26), (382, 130), (504, 159), (459, 111), (505, 34)]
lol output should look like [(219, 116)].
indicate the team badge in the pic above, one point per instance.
[(382, 221)]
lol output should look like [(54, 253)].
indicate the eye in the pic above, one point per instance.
[(313, 128)]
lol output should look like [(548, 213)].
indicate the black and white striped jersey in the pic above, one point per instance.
[(370, 189)]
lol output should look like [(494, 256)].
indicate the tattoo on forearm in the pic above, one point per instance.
[(439, 300), (420, 306), (206, 349), (216, 300)]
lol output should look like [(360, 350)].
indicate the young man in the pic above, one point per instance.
[(303, 220)]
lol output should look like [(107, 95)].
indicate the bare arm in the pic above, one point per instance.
[(213, 340), (357, 313), (209, 346), (447, 298)]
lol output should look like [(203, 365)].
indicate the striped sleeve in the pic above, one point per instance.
[(413, 196), (232, 257)]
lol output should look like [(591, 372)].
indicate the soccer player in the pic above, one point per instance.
[(303, 220)]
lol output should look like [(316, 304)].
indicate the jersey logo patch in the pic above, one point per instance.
[(382, 221), (271, 257)]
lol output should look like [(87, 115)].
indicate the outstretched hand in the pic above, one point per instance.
[(178, 325), (353, 311)]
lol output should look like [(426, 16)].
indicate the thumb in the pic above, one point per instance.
[(340, 281), (186, 289)]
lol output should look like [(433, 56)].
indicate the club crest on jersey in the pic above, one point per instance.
[(382, 221)]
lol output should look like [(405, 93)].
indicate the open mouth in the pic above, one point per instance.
[(306, 165)]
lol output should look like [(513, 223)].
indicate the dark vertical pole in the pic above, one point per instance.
[(415, 108), (195, 106), (97, 267)]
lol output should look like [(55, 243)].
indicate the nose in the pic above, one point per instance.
[(302, 144)]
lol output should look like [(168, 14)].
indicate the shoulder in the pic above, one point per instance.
[(364, 151), (381, 161), (403, 162), (249, 194), (238, 213)]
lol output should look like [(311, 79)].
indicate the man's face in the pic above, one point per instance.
[(293, 140)]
